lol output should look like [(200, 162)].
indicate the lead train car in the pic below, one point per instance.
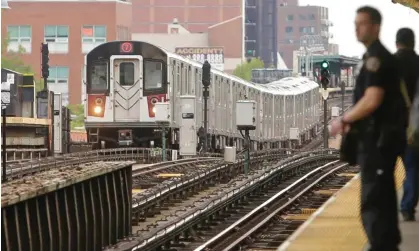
[(124, 79)]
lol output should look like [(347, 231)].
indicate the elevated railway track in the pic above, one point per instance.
[(140, 155), (174, 202), (272, 222), (190, 208)]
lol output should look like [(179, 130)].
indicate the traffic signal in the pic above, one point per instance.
[(206, 74), (45, 60), (325, 74), (250, 53)]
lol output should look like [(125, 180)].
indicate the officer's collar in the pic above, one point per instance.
[(373, 44), (405, 51)]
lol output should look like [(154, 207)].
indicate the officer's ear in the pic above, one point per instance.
[(376, 28)]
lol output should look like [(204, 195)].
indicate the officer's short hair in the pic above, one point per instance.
[(374, 14), (406, 37)]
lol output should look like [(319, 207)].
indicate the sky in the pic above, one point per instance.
[(342, 14)]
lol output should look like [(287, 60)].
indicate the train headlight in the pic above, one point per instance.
[(154, 109), (97, 109)]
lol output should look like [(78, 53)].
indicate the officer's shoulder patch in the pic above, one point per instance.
[(373, 64)]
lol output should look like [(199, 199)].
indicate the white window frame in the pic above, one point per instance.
[(57, 79), (94, 39), (56, 39), (19, 38)]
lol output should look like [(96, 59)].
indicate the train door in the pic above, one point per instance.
[(127, 87)]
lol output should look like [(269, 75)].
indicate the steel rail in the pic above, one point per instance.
[(155, 193), (166, 188), (250, 182), (257, 217), (146, 154), (166, 165), (318, 141), (217, 202)]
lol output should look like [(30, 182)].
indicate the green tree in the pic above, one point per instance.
[(39, 85), (78, 115), (244, 70), (12, 60)]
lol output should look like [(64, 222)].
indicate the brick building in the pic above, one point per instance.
[(261, 39), (259, 24), (153, 16), (176, 35), (296, 21), (71, 29)]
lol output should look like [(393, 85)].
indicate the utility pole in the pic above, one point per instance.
[(343, 95), (247, 154), (45, 105), (245, 121), (206, 81), (45, 65), (5, 102), (325, 75)]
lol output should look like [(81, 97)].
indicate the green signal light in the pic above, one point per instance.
[(325, 65)]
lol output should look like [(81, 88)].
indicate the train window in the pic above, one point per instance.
[(153, 75), (99, 76), (126, 73)]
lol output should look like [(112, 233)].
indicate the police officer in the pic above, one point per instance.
[(375, 116), (408, 63)]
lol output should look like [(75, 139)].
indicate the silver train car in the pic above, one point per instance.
[(124, 79)]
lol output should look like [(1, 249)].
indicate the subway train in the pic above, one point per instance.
[(123, 80)]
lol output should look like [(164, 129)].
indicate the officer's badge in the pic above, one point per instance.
[(373, 64)]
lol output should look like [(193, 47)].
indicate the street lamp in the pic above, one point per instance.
[(5, 102)]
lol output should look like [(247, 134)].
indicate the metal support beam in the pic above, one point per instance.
[(206, 95), (325, 129), (3, 145), (85, 216), (247, 154)]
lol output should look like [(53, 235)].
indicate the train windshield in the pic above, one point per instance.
[(99, 76), (153, 75), (126, 73)]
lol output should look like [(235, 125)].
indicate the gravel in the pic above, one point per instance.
[(43, 182)]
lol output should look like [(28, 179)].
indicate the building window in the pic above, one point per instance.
[(311, 29), (311, 17), (302, 17), (57, 38), (92, 36), (290, 17), (122, 33), (288, 29), (58, 82), (58, 75), (20, 38)]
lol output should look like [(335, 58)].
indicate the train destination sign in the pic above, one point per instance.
[(214, 55)]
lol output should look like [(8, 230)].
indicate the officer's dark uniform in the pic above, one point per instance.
[(378, 151)]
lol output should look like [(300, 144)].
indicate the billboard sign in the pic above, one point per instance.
[(214, 55)]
